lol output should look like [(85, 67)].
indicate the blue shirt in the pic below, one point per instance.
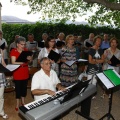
[(105, 45)]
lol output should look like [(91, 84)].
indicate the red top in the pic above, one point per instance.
[(22, 72)]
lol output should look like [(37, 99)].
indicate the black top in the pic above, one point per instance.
[(2, 46), (96, 54)]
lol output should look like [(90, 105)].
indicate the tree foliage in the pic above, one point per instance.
[(103, 11)]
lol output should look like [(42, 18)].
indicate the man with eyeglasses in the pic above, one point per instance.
[(45, 81)]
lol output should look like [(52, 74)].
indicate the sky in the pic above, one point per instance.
[(10, 9)]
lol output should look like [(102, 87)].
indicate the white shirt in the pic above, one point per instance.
[(31, 45), (44, 53), (42, 81)]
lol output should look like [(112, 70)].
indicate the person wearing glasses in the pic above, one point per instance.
[(45, 81), (50, 44), (21, 74)]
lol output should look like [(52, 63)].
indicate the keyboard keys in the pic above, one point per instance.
[(38, 103)]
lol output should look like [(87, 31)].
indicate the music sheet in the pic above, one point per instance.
[(69, 63), (12, 67), (113, 76), (8, 68), (105, 80), (82, 60), (114, 61), (2, 46), (54, 56)]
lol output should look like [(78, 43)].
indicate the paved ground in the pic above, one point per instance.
[(98, 109)]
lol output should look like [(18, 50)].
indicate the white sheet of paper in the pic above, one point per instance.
[(12, 67), (82, 60), (116, 73), (69, 62), (110, 67), (105, 80)]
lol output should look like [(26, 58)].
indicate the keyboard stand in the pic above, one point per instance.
[(85, 109)]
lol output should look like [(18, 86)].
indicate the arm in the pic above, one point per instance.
[(13, 60), (106, 54), (100, 60), (91, 60), (42, 92), (96, 61)]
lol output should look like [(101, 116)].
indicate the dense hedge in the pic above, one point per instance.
[(10, 30)]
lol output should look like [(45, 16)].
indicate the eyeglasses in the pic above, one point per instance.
[(22, 44), (47, 64)]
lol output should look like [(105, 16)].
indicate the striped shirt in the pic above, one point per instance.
[(2, 76)]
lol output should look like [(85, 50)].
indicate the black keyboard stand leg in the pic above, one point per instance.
[(109, 115), (85, 109)]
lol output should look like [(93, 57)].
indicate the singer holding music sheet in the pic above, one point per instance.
[(45, 81), (113, 50), (2, 87), (68, 74), (49, 45), (32, 45), (95, 59), (20, 75)]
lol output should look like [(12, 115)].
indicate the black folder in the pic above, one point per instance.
[(88, 44), (2, 46), (23, 56), (60, 43), (78, 43), (54, 56), (114, 61), (33, 44), (41, 44)]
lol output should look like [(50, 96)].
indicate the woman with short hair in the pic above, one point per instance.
[(95, 59), (113, 50), (68, 74), (21, 74)]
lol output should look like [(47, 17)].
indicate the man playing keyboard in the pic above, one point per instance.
[(45, 82)]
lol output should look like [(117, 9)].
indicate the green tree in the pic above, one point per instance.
[(105, 11)]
